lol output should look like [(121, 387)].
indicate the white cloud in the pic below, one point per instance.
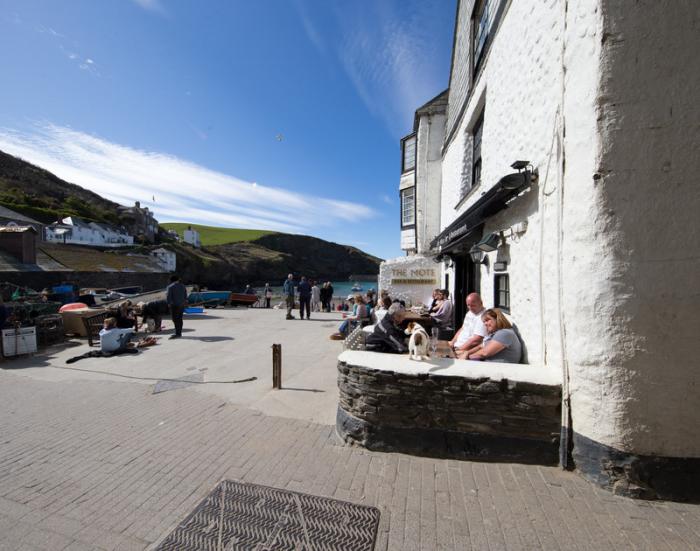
[(390, 59), (183, 191), (151, 5), (309, 28), (388, 200)]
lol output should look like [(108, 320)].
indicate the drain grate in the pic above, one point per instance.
[(237, 516)]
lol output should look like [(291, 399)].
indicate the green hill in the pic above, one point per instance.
[(211, 235)]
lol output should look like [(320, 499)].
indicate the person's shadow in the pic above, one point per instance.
[(210, 339)]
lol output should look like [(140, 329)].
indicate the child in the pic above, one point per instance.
[(113, 339)]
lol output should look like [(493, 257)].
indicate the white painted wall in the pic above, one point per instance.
[(632, 271), (430, 136), (167, 259), (192, 237), (520, 92), (88, 234)]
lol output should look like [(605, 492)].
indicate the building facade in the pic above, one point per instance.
[(167, 259), (76, 231), (192, 237), (139, 222), (11, 218), (566, 198)]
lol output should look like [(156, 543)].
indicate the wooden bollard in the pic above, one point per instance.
[(277, 366)]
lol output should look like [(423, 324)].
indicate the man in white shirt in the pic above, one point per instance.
[(113, 339), (473, 330)]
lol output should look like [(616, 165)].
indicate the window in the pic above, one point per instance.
[(408, 153), (408, 207), (476, 150), (501, 292), (480, 32)]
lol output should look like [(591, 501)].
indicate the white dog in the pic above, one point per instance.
[(419, 342)]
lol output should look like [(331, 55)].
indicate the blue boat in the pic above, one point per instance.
[(209, 298), (356, 287)]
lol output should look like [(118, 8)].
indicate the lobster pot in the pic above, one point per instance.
[(49, 329), (19, 341)]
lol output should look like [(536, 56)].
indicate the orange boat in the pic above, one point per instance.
[(241, 299)]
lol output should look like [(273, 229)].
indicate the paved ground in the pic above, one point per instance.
[(93, 461)]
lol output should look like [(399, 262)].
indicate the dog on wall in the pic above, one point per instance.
[(418, 343)]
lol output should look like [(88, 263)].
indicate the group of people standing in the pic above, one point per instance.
[(311, 296)]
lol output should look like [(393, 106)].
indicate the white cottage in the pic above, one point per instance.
[(76, 231), (564, 194), (192, 237)]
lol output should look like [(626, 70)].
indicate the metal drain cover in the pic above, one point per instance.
[(237, 516)]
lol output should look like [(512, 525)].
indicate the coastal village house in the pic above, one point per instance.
[(192, 237), (139, 222), (76, 231), (556, 176)]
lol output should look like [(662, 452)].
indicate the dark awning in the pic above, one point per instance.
[(493, 201)]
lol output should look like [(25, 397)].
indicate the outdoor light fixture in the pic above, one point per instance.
[(488, 243), (478, 256), (519, 165)]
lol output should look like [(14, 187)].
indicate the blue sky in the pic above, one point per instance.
[(274, 114)]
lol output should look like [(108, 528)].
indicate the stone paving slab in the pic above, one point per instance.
[(106, 465)]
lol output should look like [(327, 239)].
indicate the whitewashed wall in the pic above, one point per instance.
[(631, 271), (520, 91), (431, 134)]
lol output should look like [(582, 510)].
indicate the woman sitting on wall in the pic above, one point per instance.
[(501, 344), (360, 313)]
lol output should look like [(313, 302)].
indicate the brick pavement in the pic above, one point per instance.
[(107, 465)]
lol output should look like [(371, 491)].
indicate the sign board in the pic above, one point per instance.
[(410, 278)]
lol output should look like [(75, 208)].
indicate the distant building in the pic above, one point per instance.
[(192, 237), (139, 222), (11, 218), (167, 259), (76, 231), (173, 235)]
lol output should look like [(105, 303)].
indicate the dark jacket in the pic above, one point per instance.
[(304, 289), (155, 308), (177, 294), (386, 337)]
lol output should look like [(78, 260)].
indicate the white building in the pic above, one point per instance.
[(566, 198), (75, 231), (192, 237), (167, 259)]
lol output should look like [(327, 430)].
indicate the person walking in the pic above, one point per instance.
[(267, 293), (315, 298), (177, 299), (304, 298), (288, 292)]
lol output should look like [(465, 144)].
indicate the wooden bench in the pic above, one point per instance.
[(93, 324)]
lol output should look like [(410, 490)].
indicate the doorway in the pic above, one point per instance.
[(467, 280)]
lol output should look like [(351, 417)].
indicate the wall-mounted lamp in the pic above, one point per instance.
[(519, 165), (478, 256), (488, 243)]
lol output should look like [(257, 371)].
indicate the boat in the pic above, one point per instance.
[(128, 291), (211, 299), (356, 287), (242, 299)]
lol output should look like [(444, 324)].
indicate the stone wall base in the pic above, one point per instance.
[(444, 443), (637, 476)]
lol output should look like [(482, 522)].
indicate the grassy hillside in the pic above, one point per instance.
[(211, 235)]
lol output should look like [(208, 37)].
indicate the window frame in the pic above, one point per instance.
[(476, 150), (479, 33), (498, 289), (404, 141), (402, 201)]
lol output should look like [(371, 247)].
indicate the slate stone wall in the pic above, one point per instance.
[(442, 416)]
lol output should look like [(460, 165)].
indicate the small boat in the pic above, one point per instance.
[(126, 291), (356, 287), (211, 299), (242, 299)]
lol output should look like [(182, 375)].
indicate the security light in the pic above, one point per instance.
[(489, 243), (519, 165)]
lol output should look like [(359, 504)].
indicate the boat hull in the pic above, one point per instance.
[(241, 299)]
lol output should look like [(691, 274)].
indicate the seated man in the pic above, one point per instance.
[(473, 331), (113, 339), (388, 336), (442, 317)]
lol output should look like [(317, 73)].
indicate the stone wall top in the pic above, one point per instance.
[(448, 367)]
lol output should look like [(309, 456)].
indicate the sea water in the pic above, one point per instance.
[(341, 289)]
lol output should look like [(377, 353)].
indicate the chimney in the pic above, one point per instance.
[(138, 204), (20, 242)]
